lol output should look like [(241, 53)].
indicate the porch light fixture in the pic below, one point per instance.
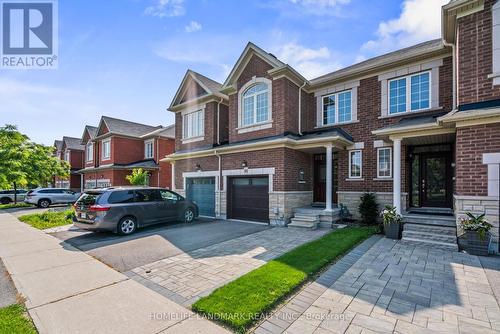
[(244, 164), (198, 168), (302, 175)]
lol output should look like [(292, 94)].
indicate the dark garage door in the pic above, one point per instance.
[(202, 191), (249, 198)]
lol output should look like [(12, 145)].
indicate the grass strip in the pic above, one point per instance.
[(14, 206), (48, 219), (243, 301), (14, 320)]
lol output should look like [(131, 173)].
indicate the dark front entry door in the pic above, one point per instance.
[(436, 180), (320, 178)]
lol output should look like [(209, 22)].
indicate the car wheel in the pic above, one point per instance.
[(44, 203), (188, 215), (5, 200), (127, 225)]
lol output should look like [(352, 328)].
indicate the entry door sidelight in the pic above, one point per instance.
[(436, 179)]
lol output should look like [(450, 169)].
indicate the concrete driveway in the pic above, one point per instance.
[(154, 243)]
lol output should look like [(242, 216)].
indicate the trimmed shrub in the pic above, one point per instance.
[(368, 208)]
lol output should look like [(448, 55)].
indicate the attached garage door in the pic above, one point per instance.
[(249, 198), (202, 191)]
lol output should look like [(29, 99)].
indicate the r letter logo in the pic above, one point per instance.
[(29, 34)]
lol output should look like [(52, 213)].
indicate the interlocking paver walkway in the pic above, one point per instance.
[(187, 277), (396, 288)]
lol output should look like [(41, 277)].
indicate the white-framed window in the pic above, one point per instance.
[(255, 107), (337, 108), (66, 156), (410, 93), (149, 149), (89, 151), (193, 124), (355, 164), (384, 162), (106, 149)]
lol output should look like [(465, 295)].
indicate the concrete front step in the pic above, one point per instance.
[(432, 244), (303, 224), (434, 220), (443, 230), (452, 239), (305, 217)]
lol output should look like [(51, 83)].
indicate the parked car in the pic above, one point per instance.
[(45, 197), (125, 209), (7, 196)]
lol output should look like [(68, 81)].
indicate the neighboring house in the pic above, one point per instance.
[(71, 150), (115, 147), (417, 126)]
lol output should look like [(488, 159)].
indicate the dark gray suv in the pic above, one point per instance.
[(125, 209)]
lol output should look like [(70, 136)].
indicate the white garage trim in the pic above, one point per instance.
[(249, 171)]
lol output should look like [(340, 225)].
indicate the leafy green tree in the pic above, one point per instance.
[(139, 177), (24, 163)]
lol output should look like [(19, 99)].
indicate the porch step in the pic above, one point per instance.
[(434, 220), (432, 244), (306, 217), (418, 235), (297, 223), (442, 230)]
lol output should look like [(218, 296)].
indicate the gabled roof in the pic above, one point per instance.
[(58, 144), (91, 130), (168, 132), (125, 128), (71, 143), (210, 87), (250, 50)]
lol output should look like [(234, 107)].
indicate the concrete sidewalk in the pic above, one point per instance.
[(67, 291)]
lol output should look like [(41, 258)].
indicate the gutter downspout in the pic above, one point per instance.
[(218, 120), (454, 73), (158, 158), (300, 107), (219, 182)]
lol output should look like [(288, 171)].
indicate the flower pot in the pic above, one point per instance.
[(392, 230), (476, 245)]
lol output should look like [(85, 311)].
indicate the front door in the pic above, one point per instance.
[(435, 180), (320, 178)]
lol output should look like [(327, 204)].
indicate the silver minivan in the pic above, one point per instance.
[(125, 209)]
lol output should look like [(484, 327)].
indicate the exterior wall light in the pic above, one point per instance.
[(198, 168)]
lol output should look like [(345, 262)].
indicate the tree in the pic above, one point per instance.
[(24, 163), (368, 208), (139, 177)]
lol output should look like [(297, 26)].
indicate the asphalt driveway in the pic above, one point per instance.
[(155, 243)]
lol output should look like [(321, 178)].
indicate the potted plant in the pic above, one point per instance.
[(477, 233), (392, 222)]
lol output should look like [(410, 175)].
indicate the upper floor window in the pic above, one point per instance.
[(106, 149), (410, 93), (255, 105), (149, 149), (193, 124), (337, 108), (90, 152), (66, 156)]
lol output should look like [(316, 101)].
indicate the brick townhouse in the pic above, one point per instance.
[(71, 150), (115, 147), (419, 127)]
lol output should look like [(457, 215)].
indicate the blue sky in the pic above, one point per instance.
[(126, 58)]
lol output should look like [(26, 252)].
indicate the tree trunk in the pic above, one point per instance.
[(15, 193)]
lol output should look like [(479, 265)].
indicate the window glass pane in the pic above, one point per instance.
[(193, 126), (255, 89), (241, 182), (329, 109), (147, 195), (262, 107), (248, 104), (126, 196), (260, 181), (355, 163), (420, 91), (345, 106), (168, 196), (397, 96), (384, 162)]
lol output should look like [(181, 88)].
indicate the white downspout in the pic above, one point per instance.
[(158, 158), (219, 182), (454, 73), (300, 107), (218, 120)]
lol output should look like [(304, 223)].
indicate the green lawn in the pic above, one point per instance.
[(13, 320), (12, 205), (241, 302), (48, 219)]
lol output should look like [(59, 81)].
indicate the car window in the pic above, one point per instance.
[(147, 195), (122, 196), (69, 192), (51, 191), (168, 195), (89, 199), (22, 191)]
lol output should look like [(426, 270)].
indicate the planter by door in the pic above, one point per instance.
[(392, 230), (475, 245)]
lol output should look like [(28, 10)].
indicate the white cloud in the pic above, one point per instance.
[(313, 7), (166, 8), (419, 21), (309, 62), (193, 26)]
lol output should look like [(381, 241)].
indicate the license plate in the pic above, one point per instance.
[(83, 215)]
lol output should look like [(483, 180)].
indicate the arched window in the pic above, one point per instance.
[(255, 104)]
